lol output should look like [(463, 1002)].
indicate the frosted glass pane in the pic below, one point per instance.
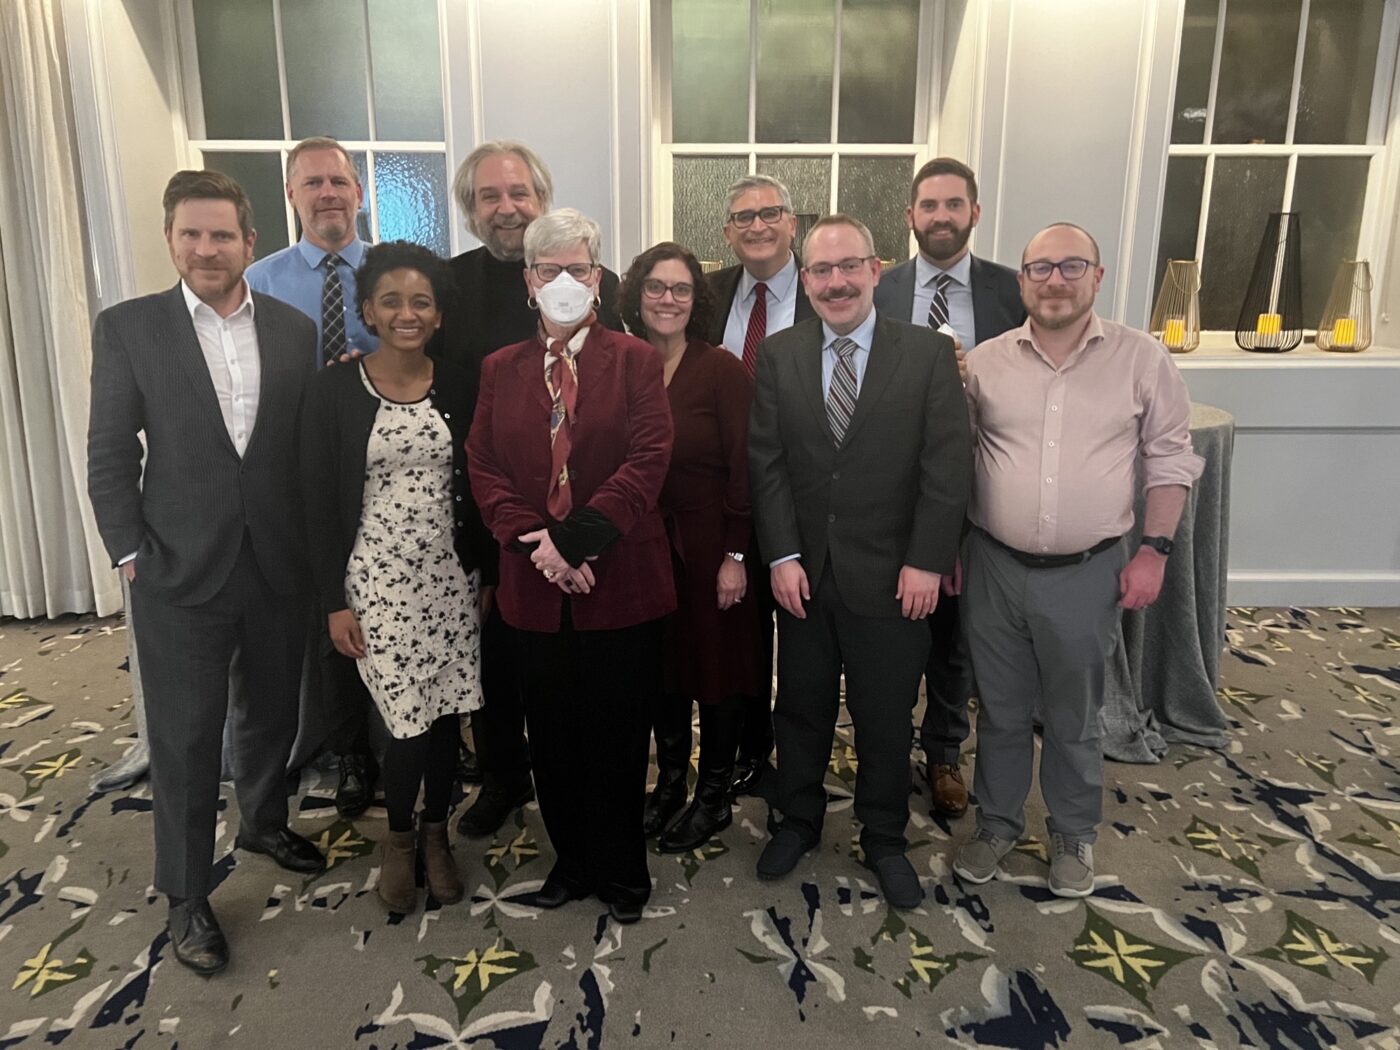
[(1193, 70), (710, 71), (237, 46), (1256, 71), (260, 175), (808, 179), (879, 67), (324, 45), (407, 65), (410, 191), (796, 51), (874, 190), (1342, 35), (1243, 192), (1181, 212), (1328, 193), (698, 189)]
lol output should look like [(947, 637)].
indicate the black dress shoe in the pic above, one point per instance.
[(356, 789), (195, 937), (494, 802), (287, 848), (747, 773), (782, 853), (468, 768), (898, 881), (555, 893), (625, 912), (665, 801)]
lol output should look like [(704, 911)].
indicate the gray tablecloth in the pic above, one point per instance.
[(1163, 676)]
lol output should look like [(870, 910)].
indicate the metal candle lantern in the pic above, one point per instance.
[(1271, 316), (1176, 319), (1345, 325)]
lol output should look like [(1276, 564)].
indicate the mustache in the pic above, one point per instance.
[(836, 294)]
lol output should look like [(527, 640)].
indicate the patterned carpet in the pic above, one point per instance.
[(1248, 898)]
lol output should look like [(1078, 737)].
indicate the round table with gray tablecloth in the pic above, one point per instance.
[(1162, 679)]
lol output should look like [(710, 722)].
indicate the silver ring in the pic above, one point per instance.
[(548, 575), (738, 600)]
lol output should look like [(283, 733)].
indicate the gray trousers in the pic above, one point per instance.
[(1040, 639)]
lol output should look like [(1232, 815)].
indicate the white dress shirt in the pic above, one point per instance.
[(230, 346), (959, 293), (782, 305)]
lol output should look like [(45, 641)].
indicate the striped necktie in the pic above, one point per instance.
[(938, 305), (758, 327), (332, 311), (841, 399)]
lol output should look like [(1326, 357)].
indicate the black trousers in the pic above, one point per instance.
[(949, 685), (587, 700), (882, 658), (498, 727), (187, 654), (756, 735), (348, 696)]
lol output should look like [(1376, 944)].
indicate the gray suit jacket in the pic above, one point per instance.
[(893, 493), (186, 513), (996, 297)]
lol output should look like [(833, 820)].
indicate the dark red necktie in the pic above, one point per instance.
[(758, 327)]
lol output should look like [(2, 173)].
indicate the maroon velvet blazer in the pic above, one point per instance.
[(621, 451)]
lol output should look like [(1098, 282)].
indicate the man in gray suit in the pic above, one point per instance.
[(861, 465), (949, 289), (209, 537)]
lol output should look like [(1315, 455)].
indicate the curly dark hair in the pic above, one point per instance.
[(401, 255), (629, 293)]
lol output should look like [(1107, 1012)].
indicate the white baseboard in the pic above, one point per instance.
[(1364, 589)]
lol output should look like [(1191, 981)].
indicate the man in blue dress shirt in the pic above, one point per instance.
[(317, 276)]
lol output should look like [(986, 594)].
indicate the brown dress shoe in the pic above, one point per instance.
[(397, 888), (949, 791), (444, 882)]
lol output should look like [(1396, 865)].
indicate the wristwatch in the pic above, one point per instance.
[(738, 556), (1160, 544)]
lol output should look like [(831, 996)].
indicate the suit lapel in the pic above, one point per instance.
[(879, 370), (530, 365), (724, 283), (984, 302), (905, 279), (267, 339), (594, 362), (808, 361), (190, 359)]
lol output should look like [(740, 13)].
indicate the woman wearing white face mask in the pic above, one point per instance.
[(568, 451)]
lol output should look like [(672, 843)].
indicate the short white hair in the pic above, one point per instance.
[(561, 229)]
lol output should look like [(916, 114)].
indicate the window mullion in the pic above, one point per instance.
[(753, 75), (1297, 72), (1206, 186), (1220, 16)]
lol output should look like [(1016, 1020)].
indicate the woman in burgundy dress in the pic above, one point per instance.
[(713, 653)]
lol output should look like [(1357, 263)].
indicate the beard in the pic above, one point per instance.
[(1056, 321), (505, 244), (939, 249)]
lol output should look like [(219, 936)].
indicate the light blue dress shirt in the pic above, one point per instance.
[(959, 294), (782, 306), (295, 276)]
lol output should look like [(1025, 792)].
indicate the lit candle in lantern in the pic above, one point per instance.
[(1269, 324), (1344, 333), (1174, 334)]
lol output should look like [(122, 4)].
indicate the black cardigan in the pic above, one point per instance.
[(336, 422)]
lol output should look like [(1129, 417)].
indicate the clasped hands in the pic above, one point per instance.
[(556, 570), (917, 592)]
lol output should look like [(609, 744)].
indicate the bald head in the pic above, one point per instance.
[(1060, 276), (1088, 244)]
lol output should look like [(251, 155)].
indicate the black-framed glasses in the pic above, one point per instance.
[(769, 215), (1071, 269), (848, 267), (546, 272), (681, 292)]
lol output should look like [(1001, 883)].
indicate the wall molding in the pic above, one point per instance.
[(1363, 589)]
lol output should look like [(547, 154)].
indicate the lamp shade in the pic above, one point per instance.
[(1345, 325), (1176, 319), (1271, 316)]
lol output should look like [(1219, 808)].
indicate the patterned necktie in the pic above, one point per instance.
[(562, 377), (332, 311), (758, 327), (938, 305), (841, 399)]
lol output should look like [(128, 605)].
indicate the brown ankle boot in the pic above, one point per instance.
[(443, 881), (396, 883)]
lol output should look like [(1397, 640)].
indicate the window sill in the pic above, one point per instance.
[(1218, 350)]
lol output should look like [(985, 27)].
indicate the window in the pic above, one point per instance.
[(819, 93), (261, 75), (1265, 120)]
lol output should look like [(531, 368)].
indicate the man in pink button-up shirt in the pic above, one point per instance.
[(1066, 411)]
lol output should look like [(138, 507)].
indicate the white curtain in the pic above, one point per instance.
[(51, 560)]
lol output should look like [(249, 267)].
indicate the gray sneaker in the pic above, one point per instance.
[(1071, 867), (977, 861)]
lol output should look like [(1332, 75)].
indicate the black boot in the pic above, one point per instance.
[(671, 726), (710, 810)]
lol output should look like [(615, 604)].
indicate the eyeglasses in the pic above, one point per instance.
[(1071, 269), (680, 291), (744, 219), (548, 271), (848, 268)]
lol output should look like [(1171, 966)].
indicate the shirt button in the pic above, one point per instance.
[(1052, 444), (830, 518), (457, 471), (447, 415), (1049, 481), (459, 499), (1054, 408), (1047, 517), (835, 475), (1044, 547)]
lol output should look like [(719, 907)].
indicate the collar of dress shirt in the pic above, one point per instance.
[(862, 336), (1025, 336), (779, 285), (960, 271), (353, 253), (194, 302)]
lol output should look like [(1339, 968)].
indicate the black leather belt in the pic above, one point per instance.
[(1053, 561)]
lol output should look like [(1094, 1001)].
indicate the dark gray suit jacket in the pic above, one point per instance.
[(725, 283), (996, 297), (893, 494), (186, 513)]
